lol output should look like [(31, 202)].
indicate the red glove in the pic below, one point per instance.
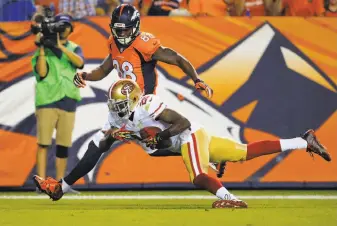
[(201, 85), (79, 79)]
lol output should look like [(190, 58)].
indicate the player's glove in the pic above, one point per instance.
[(79, 79), (201, 85), (120, 134), (152, 141), (123, 135)]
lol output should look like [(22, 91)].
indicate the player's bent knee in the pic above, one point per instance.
[(105, 144), (101, 147), (61, 151), (93, 147), (101, 142)]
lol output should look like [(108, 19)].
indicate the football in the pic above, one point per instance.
[(152, 131)]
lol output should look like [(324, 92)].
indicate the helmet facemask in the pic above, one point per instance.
[(124, 35), (121, 107)]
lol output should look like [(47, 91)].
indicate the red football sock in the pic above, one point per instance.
[(208, 183), (264, 147)]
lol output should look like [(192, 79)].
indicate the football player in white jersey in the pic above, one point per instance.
[(131, 114)]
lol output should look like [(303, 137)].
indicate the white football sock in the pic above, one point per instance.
[(65, 187), (223, 193), (292, 144)]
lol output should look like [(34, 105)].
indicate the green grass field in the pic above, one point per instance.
[(168, 212)]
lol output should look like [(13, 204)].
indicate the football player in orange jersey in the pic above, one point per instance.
[(134, 54)]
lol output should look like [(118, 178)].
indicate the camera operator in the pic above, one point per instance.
[(54, 66)]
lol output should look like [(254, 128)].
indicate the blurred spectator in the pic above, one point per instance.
[(182, 10), (136, 3), (331, 8), (105, 7), (77, 8), (165, 8), (208, 7), (303, 8), (52, 4), (252, 7), (16, 10)]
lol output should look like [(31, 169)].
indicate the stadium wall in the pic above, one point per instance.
[(272, 78)]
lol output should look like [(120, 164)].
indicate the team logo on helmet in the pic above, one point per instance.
[(127, 88), (135, 15)]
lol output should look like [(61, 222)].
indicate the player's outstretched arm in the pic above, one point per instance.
[(97, 74), (170, 56)]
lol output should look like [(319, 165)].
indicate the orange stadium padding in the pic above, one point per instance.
[(273, 77)]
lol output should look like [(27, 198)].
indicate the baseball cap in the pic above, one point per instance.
[(65, 18)]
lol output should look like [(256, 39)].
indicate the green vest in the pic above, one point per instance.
[(59, 81)]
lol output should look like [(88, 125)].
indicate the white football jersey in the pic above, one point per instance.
[(145, 114)]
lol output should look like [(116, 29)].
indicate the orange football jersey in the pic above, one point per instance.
[(303, 7), (135, 62)]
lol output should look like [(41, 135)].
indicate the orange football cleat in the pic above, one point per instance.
[(49, 186)]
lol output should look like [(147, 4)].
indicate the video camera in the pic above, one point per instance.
[(48, 25)]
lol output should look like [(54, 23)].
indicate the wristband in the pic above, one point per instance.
[(198, 80)]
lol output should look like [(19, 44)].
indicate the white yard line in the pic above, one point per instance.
[(144, 197)]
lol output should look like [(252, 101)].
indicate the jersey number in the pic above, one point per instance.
[(146, 37), (126, 71)]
